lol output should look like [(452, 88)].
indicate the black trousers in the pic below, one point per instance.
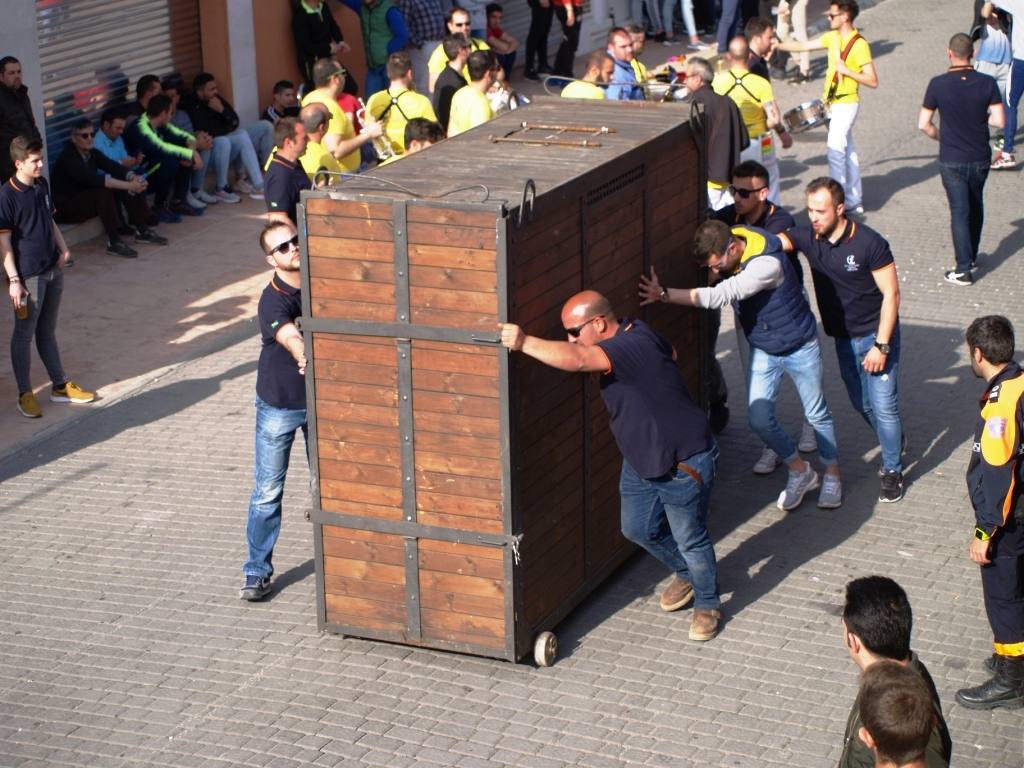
[(171, 181), (1002, 582), (105, 203), (537, 39), (570, 40)]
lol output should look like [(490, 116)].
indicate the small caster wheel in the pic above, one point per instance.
[(545, 647)]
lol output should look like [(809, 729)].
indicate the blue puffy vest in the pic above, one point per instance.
[(779, 320)]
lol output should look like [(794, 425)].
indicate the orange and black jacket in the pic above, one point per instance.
[(995, 473)]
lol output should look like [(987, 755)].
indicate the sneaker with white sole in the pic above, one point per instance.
[(204, 196), (69, 392), (797, 486), (808, 440), (226, 196), (831, 494), (958, 278), (767, 463), (1003, 161), (257, 194), (254, 588), (194, 201), (243, 186)]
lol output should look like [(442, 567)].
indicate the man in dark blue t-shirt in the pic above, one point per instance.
[(280, 402), (669, 455), (969, 102), (286, 178), (858, 295)]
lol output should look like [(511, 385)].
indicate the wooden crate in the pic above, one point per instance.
[(465, 498)]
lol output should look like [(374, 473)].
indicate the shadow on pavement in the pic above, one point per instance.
[(293, 575)]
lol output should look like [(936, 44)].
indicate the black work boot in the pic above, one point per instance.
[(1005, 689)]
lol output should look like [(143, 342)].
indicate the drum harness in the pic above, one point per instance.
[(834, 86)]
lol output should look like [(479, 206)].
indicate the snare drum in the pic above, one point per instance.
[(807, 115)]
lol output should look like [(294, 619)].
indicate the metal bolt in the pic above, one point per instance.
[(401, 274)]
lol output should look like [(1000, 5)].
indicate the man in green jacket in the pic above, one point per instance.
[(384, 33)]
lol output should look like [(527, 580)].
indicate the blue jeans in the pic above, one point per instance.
[(875, 395), (1013, 96), (764, 375), (668, 516), (261, 133), (44, 292), (225, 150), (275, 433), (964, 184), (730, 24)]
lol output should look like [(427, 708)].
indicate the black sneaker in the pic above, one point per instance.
[(892, 487), (958, 278), (149, 236), (254, 588), (530, 74), (118, 248)]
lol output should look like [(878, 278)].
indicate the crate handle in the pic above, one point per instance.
[(485, 339), (529, 196)]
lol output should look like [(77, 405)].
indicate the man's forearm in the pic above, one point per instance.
[(557, 354), (887, 317)]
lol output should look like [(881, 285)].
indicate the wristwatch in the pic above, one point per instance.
[(981, 534), (883, 348), (663, 296)]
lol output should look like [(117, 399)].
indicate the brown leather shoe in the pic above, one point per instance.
[(677, 594), (704, 625)]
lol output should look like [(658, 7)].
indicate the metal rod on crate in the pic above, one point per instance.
[(527, 126), (583, 143)]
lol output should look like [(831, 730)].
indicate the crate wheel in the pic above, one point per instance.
[(545, 647)]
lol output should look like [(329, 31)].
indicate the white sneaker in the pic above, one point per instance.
[(206, 197), (257, 193), (767, 463), (243, 186), (194, 201), (227, 197), (808, 441), (797, 486), (831, 494)]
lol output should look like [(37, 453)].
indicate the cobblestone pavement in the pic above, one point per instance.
[(123, 643)]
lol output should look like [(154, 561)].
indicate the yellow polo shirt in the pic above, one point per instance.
[(750, 97), (438, 61), (339, 125), (639, 70), (404, 106), (470, 108), (316, 157), (848, 90), (581, 89)]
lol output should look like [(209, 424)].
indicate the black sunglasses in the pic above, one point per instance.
[(744, 193), (286, 246), (85, 135), (577, 330)]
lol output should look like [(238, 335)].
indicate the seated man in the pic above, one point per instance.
[(396, 106), (599, 71), (501, 42), (315, 118), (173, 87), (87, 183), (458, 24), (341, 139), (110, 140), (146, 88), (212, 113), (283, 103), (470, 105), (451, 80), (171, 156)]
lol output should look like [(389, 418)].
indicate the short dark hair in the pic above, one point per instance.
[(757, 25), (158, 105), (200, 80), (896, 708), (398, 64), (493, 8), (456, 8), (283, 85), (479, 64), (110, 114), (324, 70), (961, 46), (750, 169), (849, 7), (452, 44), (144, 84), (7, 60), (993, 335), (421, 129), (23, 146), (596, 59), (285, 129), (835, 189), (80, 123), (312, 116), (711, 238), (269, 227), (878, 612)]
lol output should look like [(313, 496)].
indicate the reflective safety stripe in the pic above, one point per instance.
[(1009, 649)]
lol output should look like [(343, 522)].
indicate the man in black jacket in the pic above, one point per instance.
[(317, 36), (87, 183), (211, 112), (15, 113)]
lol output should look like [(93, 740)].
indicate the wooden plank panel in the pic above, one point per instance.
[(357, 413), (376, 495), (368, 454), (328, 288), (323, 206), (448, 601), (352, 310), (449, 278), (455, 358), (369, 551), (462, 565), (392, 613), (456, 404), (466, 638), (457, 445), (451, 257), (462, 584), (459, 425), (477, 238), (352, 269), (358, 508), (459, 485), (365, 622), (346, 392), (374, 475), (422, 214), (349, 248), (363, 434), (471, 302), (370, 590), (354, 349), (464, 506), (463, 623), (379, 230), (360, 534), (454, 383), (461, 549), (447, 463), (355, 373), (459, 523), (360, 569)]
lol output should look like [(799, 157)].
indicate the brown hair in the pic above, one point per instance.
[(23, 146), (896, 709), (712, 238)]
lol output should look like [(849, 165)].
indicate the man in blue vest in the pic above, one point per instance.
[(771, 307)]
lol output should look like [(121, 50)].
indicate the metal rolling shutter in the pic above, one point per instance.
[(92, 52)]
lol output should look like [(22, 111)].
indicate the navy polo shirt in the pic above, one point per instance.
[(26, 211), (962, 96), (278, 381), (654, 420), (849, 301), (282, 185)]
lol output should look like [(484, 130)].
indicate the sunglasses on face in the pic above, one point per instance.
[(744, 193), (577, 330), (286, 246), (460, 24), (88, 135)]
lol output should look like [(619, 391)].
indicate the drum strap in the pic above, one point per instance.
[(739, 84), (835, 75), (394, 103)]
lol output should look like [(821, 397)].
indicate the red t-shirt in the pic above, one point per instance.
[(350, 104)]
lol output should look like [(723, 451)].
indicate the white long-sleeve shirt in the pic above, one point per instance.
[(761, 274)]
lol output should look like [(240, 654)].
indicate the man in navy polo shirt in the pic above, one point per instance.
[(280, 402), (34, 253), (969, 102), (669, 455), (858, 295), (286, 178)]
